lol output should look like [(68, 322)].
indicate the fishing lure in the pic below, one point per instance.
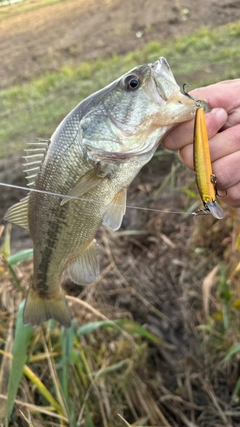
[(206, 180)]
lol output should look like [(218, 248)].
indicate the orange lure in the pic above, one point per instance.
[(206, 180)]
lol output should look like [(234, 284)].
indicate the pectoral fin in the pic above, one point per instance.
[(85, 268), (115, 211), (86, 183), (18, 213)]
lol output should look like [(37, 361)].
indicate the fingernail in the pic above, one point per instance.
[(221, 115)]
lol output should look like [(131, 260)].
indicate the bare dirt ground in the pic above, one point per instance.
[(151, 271), (76, 30)]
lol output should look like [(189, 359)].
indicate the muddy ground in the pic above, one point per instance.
[(150, 270), (74, 30)]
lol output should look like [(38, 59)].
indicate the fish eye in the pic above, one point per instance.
[(132, 82)]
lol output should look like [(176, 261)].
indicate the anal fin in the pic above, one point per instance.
[(115, 211), (85, 268), (18, 213)]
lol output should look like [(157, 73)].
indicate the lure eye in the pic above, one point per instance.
[(132, 82)]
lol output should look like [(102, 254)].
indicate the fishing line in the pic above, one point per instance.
[(18, 187)]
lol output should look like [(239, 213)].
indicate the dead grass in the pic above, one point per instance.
[(152, 277)]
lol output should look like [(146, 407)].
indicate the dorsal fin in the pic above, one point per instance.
[(35, 156)]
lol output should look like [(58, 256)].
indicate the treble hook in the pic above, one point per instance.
[(214, 182), (198, 103)]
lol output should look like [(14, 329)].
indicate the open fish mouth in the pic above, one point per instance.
[(162, 67), (165, 82), (167, 87)]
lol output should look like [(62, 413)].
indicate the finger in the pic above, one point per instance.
[(183, 133), (186, 156), (179, 136), (225, 143), (222, 145), (233, 118), (232, 197), (227, 171), (222, 94)]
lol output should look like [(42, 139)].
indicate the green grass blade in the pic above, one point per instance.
[(234, 350), (6, 247), (112, 368), (127, 325), (15, 277), (90, 327), (15, 259), (236, 391), (43, 390), (67, 338), (89, 422), (23, 337), (20, 256), (133, 328)]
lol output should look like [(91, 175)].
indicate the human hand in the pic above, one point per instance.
[(223, 124)]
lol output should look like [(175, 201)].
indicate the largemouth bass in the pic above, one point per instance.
[(94, 154)]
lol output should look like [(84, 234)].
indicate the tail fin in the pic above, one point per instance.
[(39, 308)]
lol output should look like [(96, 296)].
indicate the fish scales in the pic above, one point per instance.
[(93, 155)]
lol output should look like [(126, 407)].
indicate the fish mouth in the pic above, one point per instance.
[(164, 80), (168, 88), (162, 68), (166, 84), (176, 106), (183, 99)]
